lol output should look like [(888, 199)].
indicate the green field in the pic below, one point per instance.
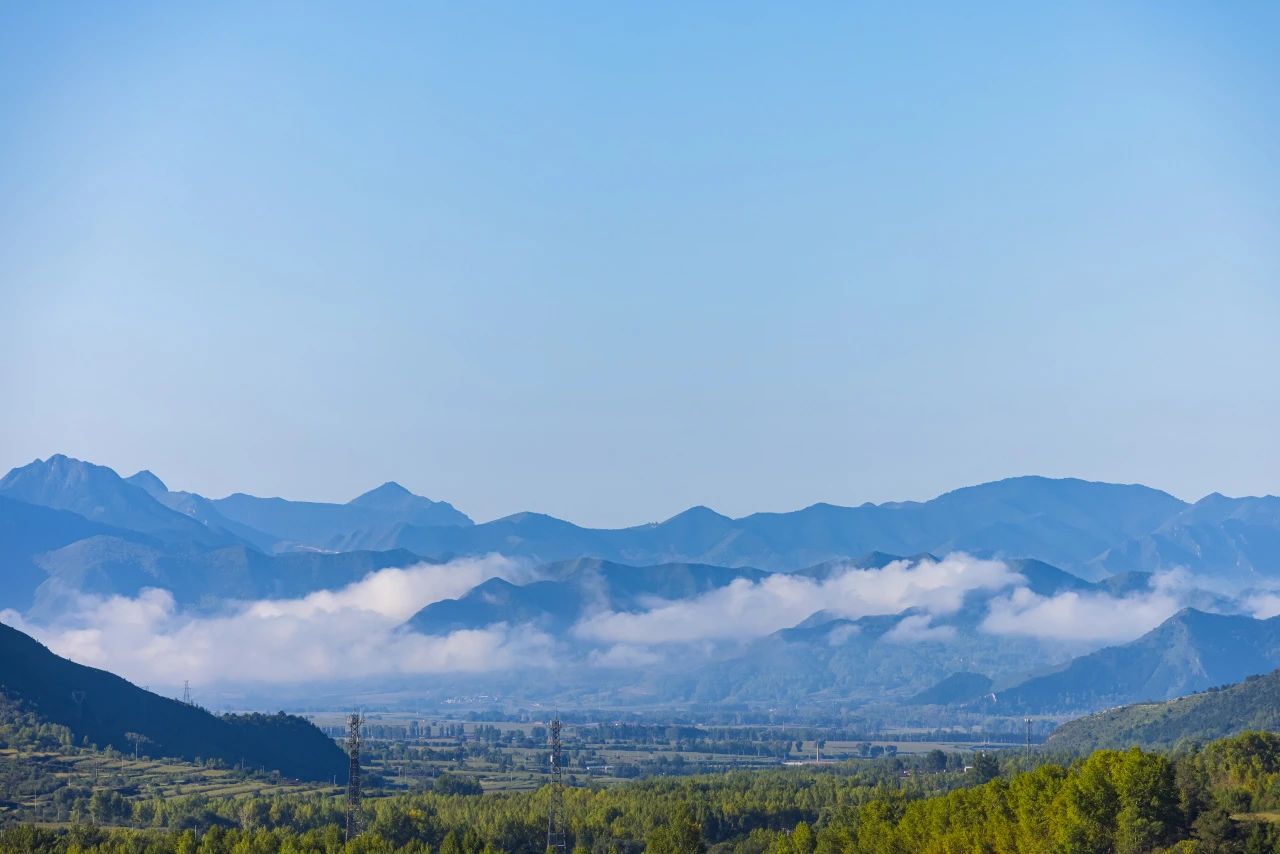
[(51, 785)]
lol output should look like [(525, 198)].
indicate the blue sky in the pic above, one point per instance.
[(610, 260)]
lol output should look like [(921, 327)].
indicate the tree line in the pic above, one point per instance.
[(1212, 798)]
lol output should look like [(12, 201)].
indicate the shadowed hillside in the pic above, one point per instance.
[(103, 708)]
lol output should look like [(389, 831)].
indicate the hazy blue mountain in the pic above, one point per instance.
[(109, 565), (1253, 704), (899, 656), (1191, 651), (202, 510), (1237, 539), (825, 653), (148, 483), (1126, 583), (621, 587), (1048, 580), (1062, 522), (1067, 523), (882, 657), (28, 530), (548, 605), (108, 707), (872, 560), (963, 687), (391, 497), (571, 590), (100, 495), (366, 522)]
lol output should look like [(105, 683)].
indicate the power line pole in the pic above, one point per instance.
[(1027, 721), (354, 817), (555, 803)]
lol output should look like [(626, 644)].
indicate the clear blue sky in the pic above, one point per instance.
[(610, 260)]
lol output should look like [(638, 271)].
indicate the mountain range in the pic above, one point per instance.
[(1064, 522), (1094, 530), (70, 529)]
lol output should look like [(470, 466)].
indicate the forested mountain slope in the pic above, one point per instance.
[(1251, 704), (106, 710)]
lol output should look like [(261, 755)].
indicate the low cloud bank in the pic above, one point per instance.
[(324, 635), (935, 589), (328, 635), (1090, 616), (747, 609)]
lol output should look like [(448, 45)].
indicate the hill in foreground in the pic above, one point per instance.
[(107, 710), (1253, 704)]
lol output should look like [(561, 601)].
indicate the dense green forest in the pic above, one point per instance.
[(1218, 798)]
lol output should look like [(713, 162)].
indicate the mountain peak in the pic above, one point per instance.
[(389, 492), (1195, 618), (391, 497), (698, 513), (153, 485), (98, 493), (58, 469)]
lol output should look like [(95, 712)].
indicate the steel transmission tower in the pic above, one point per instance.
[(555, 804), (354, 817)]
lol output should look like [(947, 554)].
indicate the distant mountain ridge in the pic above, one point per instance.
[(1062, 522), (1191, 651), (100, 495), (113, 566), (73, 529), (29, 530), (1091, 529), (901, 656), (571, 590), (366, 522), (1238, 537), (143, 503)]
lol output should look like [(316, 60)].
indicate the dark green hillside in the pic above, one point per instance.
[(104, 708), (1251, 704)]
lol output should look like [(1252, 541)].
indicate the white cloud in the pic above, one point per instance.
[(396, 593), (1073, 616), (624, 655), (747, 609), (324, 635), (919, 627), (1263, 605), (840, 635)]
